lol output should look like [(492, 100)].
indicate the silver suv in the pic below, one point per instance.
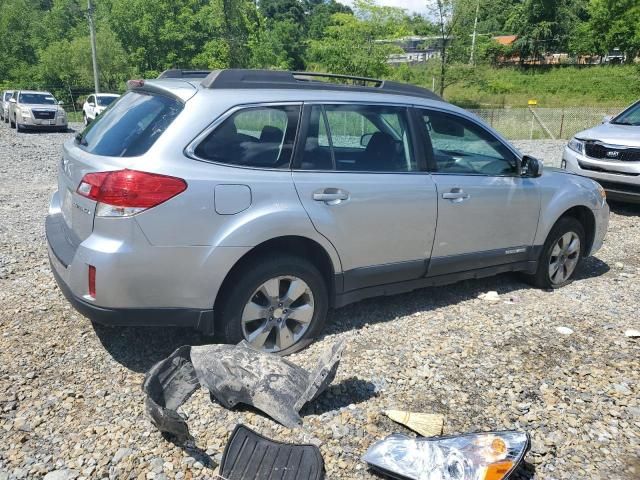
[(610, 154), (252, 202), (35, 110)]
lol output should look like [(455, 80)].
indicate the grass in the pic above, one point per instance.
[(484, 86)]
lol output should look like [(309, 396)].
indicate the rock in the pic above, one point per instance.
[(491, 297), (65, 474), (156, 465), (619, 265), (632, 333), (564, 330), (120, 454)]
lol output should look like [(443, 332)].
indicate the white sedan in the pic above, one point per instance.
[(96, 104)]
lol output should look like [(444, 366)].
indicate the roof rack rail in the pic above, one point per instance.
[(278, 79), (179, 73)]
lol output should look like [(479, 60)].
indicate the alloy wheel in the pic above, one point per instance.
[(564, 258), (278, 313)]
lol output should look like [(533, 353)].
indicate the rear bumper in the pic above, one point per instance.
[(157, 317), (621, 180), (137, 284)]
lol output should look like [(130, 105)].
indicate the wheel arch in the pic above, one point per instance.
[(303, 247), (587, 219)]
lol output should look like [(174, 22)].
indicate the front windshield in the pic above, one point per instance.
[(631, 116), (37, 98), (106, 101)]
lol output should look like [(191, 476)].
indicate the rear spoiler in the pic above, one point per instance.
[(174, 88)]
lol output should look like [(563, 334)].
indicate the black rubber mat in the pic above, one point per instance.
[(250, 456)]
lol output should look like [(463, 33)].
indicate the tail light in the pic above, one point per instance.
[(122, 193)]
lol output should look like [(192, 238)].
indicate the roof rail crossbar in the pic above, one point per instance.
[(362, 81), (277, 79)]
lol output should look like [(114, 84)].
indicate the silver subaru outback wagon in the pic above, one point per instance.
[(249, 203)]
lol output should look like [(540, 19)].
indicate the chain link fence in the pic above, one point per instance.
[(544, 123)]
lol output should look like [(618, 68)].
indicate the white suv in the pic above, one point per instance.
[(96, 104)]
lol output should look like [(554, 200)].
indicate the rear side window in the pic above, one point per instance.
[(131, 126), (360, 138), (253, 137)]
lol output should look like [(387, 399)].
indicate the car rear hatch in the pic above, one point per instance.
[(127, 129)]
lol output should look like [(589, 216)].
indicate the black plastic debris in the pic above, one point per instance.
[(249, 456), (234, 374)]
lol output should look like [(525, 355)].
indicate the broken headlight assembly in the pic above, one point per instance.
[(477, 456)]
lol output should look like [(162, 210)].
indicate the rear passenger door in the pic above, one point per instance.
[(358, 175), (487, 212)]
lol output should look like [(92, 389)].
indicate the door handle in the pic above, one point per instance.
[(456, 195), (331, 196)]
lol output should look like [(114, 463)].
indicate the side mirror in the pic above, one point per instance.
[(531, 167), (365, 139), (91, 104), (12, 100), (60, 102), (607, 119)]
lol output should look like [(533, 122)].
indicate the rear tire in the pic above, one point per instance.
[(561, 255), (278, 305)]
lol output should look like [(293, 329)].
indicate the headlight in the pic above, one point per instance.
[(25, 112), (479, 456), (576, 145)]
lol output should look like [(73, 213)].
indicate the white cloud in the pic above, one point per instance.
[(419, 6)]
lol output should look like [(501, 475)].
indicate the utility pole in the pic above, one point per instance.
[(94, 54), (475, 34)]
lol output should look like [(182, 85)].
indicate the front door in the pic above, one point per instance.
[(487, 212), (358, 178)]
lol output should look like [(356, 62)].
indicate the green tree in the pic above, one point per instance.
[(616, 24), (354, 44)]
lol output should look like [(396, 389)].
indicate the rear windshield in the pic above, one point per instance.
[(129, 127), (37, 98), (106, 101)]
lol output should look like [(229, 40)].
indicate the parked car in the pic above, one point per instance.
[(96, 104), (250, 203), (610, 154), (36, 110), (4, 105)]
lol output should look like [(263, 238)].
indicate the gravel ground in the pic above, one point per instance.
[(71, 405)]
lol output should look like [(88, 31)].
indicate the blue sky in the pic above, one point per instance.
[(411, 5)]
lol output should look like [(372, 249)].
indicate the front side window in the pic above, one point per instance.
[(37, 99), (362, 138), (131, 126), (462, 147), (90, 99), (7, 96), (259, 137)]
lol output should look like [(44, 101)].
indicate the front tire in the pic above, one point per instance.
[(85, 119), (561, 255), (13, 124), (278, 305)]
